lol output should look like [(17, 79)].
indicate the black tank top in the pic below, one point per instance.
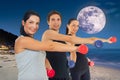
[(81, 64), (58, 61)]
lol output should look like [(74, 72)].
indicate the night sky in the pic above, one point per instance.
[(12, 11)]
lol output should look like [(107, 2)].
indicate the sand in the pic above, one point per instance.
[(8, 70), (104, 73)]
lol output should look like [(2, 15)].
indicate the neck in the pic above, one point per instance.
[(71, 34), (28, 36), (55, 30)]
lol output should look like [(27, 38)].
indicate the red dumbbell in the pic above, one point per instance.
[(113, 39), (50, 73), (91, 63), (83, 49)]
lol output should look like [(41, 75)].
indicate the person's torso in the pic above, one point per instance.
[(31, 65), (58, 62), (81, 62)]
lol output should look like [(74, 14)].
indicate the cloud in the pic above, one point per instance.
[(112, 10), (110, 3), (93, 3), (117, 15)]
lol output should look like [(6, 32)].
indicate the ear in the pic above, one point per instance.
[(67, 26), (23, 23), (48, 22)]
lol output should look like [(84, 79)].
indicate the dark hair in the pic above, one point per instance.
[(70, 20), (53, 12), (25, 18)]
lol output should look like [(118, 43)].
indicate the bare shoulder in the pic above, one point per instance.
[(21, 39), (18, 44), (21, 43), (49, 35), (50, 32)]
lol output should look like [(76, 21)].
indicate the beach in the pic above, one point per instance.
[(104, 73), (8, 70)]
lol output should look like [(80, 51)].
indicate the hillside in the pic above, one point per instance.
[(7, 38)]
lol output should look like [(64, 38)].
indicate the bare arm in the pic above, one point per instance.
[(32, 44), (88, 59), (53, 35), (73, 56), (47, 64)]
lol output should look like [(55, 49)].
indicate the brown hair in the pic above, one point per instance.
[(70, 20), (53, 12)]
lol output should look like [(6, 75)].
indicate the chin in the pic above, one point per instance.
[(31, 34)]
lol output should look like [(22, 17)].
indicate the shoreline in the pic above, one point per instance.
[(109, 66), (8, 70)]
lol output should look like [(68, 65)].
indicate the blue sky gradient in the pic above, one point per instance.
[(12, 11)]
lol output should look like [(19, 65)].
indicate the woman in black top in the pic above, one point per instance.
[(81, 69)]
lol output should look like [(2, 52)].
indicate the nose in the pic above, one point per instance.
[(56, 22), (35, 26)]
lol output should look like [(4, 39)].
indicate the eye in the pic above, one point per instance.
[(58, 19), (31, 22), (37, 23), (73, 25), (52, 19)]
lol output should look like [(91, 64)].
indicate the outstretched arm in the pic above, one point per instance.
[(53, 35), (32, 44)]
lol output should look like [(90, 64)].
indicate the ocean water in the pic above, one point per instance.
[(105, 57)]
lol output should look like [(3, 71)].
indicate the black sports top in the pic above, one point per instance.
[(81, 64), (58, 61)]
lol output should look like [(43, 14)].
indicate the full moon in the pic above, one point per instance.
[(91, 19)]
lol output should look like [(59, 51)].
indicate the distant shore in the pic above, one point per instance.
[(8, 70)]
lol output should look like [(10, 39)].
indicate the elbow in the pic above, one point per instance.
[(93, 38), (70, 39)]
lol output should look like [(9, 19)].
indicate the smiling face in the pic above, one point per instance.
[(54, 22), (73, 27), (31, 25)]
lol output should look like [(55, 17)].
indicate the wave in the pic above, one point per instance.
[(106, 57)]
